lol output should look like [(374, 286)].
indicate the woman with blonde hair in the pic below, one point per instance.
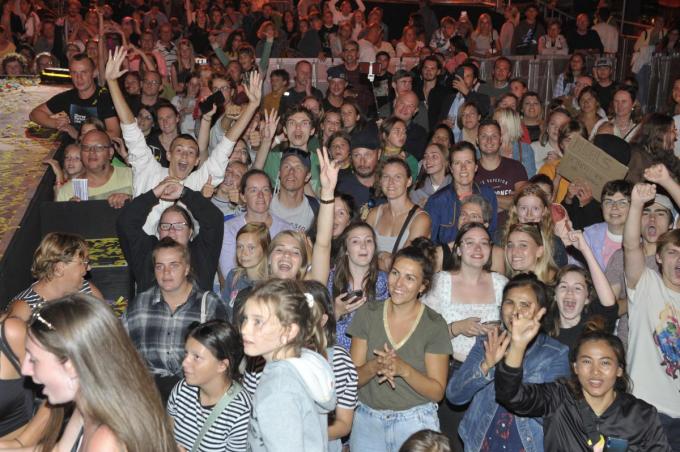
[(511, 133), (533, 205), (484, 39), (59, 265), (252, 244), (182, 69), (409, 45), (66, 339), (525, 251)]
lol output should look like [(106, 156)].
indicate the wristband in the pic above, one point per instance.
[(327, 201)]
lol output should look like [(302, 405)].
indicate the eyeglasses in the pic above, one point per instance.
[(96, 148), (620, 204), (175, 226), (293, 124), (86, 263), (151, 82)]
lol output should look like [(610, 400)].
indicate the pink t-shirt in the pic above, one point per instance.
[(612, 243)]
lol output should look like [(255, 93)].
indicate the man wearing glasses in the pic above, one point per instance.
[(104, 181), (152, 87), (69, 110)]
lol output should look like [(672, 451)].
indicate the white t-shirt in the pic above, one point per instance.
[(300, 217), (654, 334)]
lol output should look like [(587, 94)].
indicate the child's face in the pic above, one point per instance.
[(615, 209), (73, 165), (277, 83)]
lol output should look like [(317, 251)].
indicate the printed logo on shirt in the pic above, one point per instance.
[(667, 338)]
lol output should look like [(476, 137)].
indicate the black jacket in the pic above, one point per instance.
[(626, 418), (482, 101), (137, 245)]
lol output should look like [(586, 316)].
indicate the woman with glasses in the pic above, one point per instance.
[(203, 241), (59, 265)]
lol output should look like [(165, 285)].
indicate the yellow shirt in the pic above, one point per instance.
[(549, 168), (119, 182)]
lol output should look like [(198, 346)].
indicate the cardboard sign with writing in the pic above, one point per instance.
[(585, 161)]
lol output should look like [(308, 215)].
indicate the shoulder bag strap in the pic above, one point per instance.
[(403, 228), (203, 299), (226, 399), (7, 351)]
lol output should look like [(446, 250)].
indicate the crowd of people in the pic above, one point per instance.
[(396, 264)]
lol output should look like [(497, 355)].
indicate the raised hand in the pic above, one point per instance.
[(525, 329), (495, 347), (658, 174), (254, 89), (643, 193), (328, 172), (113, 65), (577, 240), (208, 189), (271, 122)]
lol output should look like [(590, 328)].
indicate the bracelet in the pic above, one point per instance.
[(205, 118), (327, 201)]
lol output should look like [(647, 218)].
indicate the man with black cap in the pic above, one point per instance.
[(291, 203), (337, 82), (365, 155)]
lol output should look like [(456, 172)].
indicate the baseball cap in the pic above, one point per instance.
[(603, 62), (366, 138), (300, 154), (337, 72), (665, 201)]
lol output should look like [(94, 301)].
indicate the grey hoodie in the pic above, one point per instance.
[(291, 405)]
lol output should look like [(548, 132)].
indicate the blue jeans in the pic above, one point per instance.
[(671, 426), (386, 430)]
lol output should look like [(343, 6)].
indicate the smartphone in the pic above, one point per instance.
[(201, 61), (354, 294), (216, 98), (616, 445)]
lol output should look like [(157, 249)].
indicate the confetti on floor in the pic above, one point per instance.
[(21, 152)]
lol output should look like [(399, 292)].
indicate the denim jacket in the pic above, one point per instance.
[(526, 152), (444, 208), (545, 361)]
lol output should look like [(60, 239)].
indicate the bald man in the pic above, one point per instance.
[(104, 181), (406, 108)]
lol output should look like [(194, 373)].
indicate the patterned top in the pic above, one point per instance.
[(381, 294), (229, 432), (35, 301), (439, 298), (158, 333)]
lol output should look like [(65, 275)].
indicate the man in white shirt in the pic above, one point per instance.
[(654, 309)]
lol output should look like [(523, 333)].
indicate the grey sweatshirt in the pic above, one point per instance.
[(291, 405)]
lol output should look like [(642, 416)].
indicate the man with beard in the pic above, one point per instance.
[(430, 91), (302, 87), (183, 156), (365, 155)]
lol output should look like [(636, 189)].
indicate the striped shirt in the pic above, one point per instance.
[(229, 432), (34, 300), (344, 373)]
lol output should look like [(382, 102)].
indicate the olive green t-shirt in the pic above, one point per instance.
[(430, 335)]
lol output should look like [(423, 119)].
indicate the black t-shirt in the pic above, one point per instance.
[(381, 88), (605, 94), (348, 184), (534, 133), (99, 105), (570, 336), (591, 40), (159, 153)]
